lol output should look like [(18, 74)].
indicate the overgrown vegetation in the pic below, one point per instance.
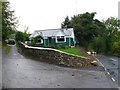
[(0, 46), (0, 21), (9, 21), (4, 44), (22, 36), (73, 51), (8, 48), (100, 36)]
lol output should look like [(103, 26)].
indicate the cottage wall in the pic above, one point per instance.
[(69, 42)]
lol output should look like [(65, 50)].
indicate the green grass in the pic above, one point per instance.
[(8, 49), (4, 44), (1, 46), (74, 51)]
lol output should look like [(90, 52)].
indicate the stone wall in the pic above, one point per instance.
[(55, 56)]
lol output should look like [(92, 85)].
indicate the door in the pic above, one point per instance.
[(49, 41)]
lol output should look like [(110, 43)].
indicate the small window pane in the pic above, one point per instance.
[(58, 36), (62, 36)]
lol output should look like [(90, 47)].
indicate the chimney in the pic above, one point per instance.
[(66, 27)]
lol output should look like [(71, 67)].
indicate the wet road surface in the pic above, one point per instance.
[(21, 72), (0, 66), (111, 66)]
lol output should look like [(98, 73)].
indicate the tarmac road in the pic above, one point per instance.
[(111, 66), (0, 67), (22, 72)]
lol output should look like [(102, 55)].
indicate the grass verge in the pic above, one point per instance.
[(8, 49), (0, 46), (73, 51), (4, 44)]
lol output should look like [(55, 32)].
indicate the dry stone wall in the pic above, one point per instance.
[(55, 56)]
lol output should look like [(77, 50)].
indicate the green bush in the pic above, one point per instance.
[(116, 48)]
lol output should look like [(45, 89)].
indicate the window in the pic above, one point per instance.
[(50, 40), (60, 38), (40, 41)]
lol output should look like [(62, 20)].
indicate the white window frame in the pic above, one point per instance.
[(41, 41)]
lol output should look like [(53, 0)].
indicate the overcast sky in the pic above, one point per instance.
[(48, 14)]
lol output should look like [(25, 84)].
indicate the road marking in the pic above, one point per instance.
[(108, 73), (105, 69), (113, 79), (99, 62), (113, 59)]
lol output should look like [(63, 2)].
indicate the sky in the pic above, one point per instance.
[(48, 14)]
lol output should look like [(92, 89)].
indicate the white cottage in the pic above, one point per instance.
[(54, 37)]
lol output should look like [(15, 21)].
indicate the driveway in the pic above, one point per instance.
[(22, 72)]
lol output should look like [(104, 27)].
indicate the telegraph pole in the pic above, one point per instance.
[(119, 10), (76, 6)]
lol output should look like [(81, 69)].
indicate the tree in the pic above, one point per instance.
[(108, 42), (0, 21), (19, 36), (97, 44), (9, 21), (26, 34), (86, 27), (66, 23), (22, 36), (112, 34), (112, 23), (116, 48)]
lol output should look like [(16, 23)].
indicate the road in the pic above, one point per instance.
[(22, 72), (0, 67), (111, 66)]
